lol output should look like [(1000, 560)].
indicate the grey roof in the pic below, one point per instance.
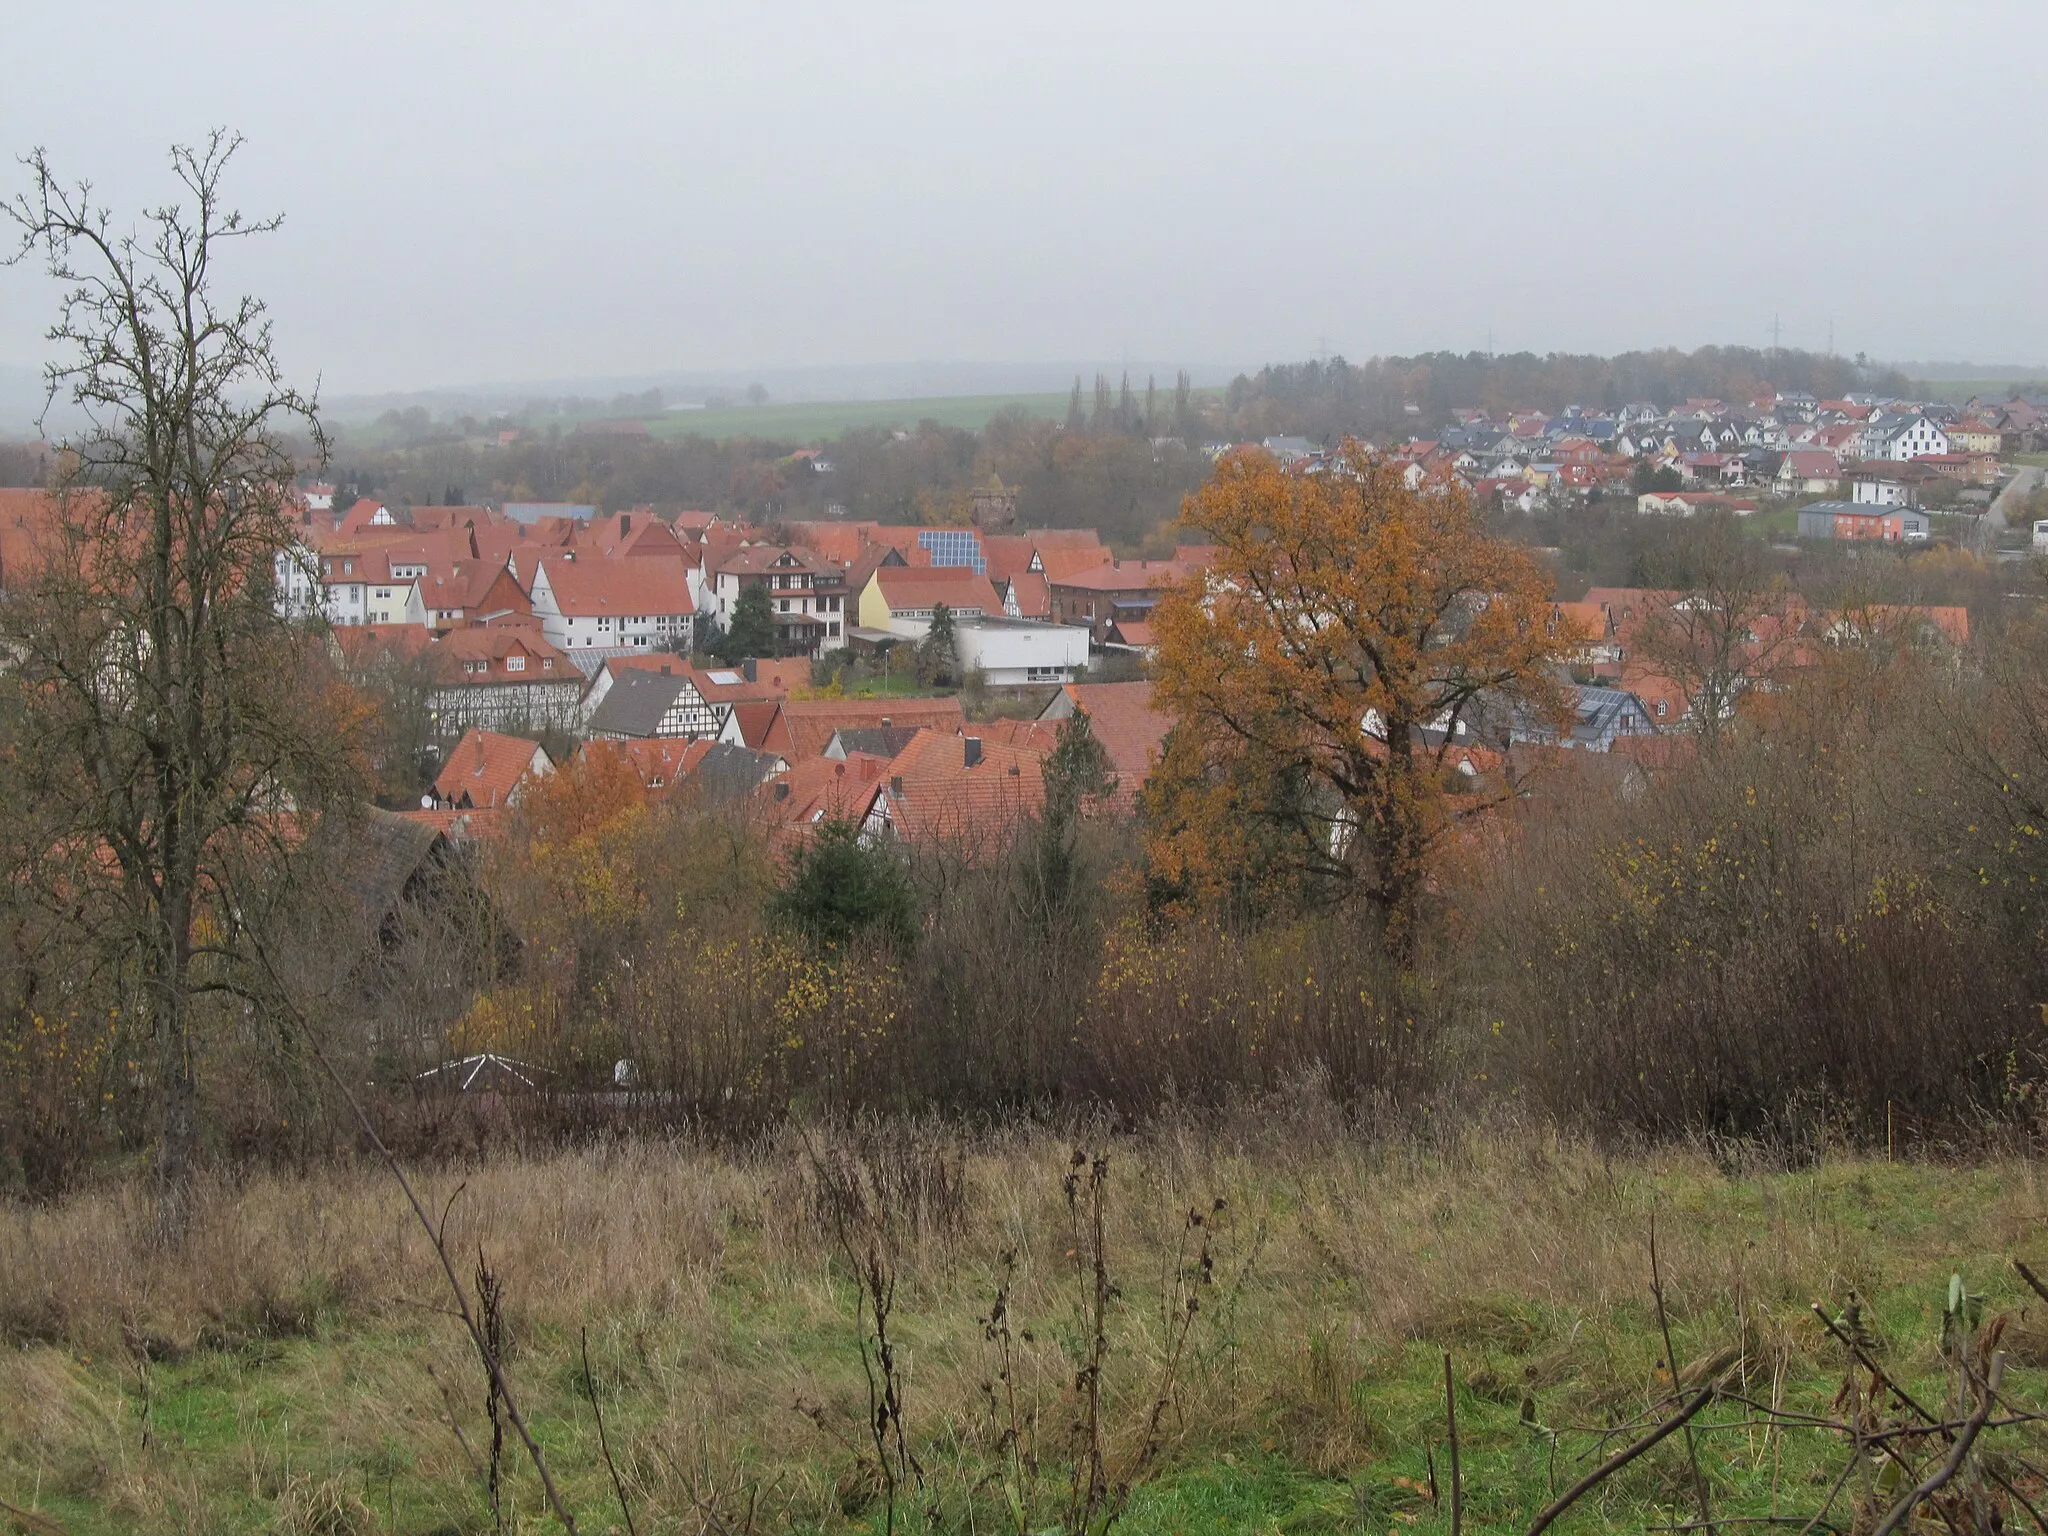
[(1599, 708), (387, 852), (588, 658), (727, 771), (635, 703), (876, 740)]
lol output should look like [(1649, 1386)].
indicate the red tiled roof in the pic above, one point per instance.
[(1064, 560), (494, 644), (359, 641), (1007, 554), (957, 586), (661, 763), (754, 559), (1131, 730), (360, 517), (637, 533), (820, 789), (1033, 593), (811, 723), (485, 770), (1033, 735), (1129, 576), (762, 727), (29, 520), (586, 586), (774, 678), (933, 795)]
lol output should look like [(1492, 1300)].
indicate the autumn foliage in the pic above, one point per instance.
[(1349, 635)]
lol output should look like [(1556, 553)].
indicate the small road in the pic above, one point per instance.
[(1984, 538)]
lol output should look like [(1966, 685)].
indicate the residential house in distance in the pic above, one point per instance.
[(1124, 720), (899, 601), (502, 677), (806, 595), (487, 771), (586, 602), (1914, 438), (1122, 589), (643, 705), (801, 729), (960, 792), (1808, 472), (718, 689), (1686, 503), (1888, 483)]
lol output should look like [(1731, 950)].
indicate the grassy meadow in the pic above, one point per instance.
[(297, 1370)]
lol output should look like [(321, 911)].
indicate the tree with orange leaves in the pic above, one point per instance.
[(1346, 638)]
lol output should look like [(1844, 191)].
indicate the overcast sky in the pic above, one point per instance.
[(481, 192)]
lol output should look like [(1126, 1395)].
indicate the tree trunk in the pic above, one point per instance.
[(177, 1127), (1400, 851)]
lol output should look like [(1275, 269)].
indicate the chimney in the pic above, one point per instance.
[(625, 524), (896, 784), (974, 752), (747, 669)]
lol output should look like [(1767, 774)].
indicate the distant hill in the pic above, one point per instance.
[(783, 386)]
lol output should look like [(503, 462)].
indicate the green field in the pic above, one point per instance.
[(817, 421), (1956, 391), (294, 1371)]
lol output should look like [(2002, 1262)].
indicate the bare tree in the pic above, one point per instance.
[(1727, 624), (170, 728)]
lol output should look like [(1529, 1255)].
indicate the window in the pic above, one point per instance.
[(385, 593), (515, 663)]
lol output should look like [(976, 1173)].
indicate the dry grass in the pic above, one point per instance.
[(287, 1371)]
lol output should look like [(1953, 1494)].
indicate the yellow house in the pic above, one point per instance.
[(901, 597), (1974, 439)]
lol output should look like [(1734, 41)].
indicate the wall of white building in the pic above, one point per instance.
[(1012, 652)]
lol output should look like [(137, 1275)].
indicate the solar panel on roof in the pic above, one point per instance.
[(955, 546), (723, 679)]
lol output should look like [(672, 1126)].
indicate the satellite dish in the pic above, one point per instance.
[(426, 802)]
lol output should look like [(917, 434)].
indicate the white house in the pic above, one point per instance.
[(1012, 652), (1914, 438), (806, 597), (586, 601)]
